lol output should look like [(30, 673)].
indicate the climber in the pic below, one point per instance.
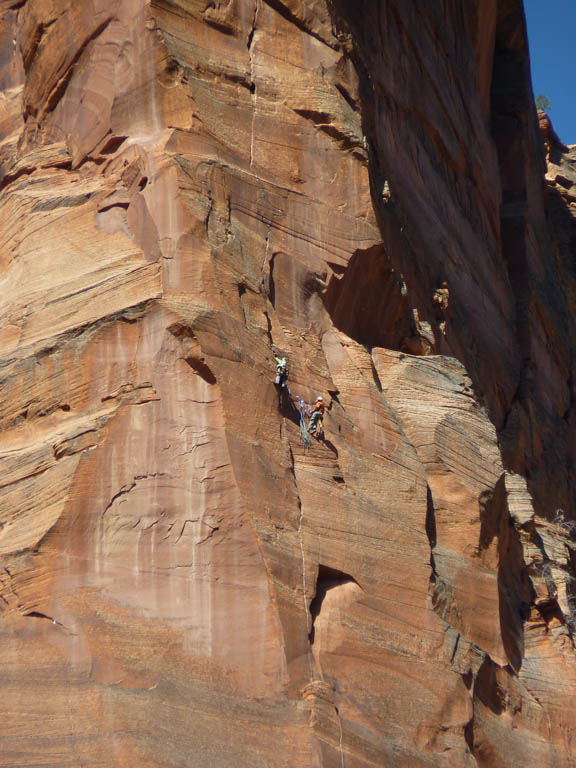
[(281, 371), (316, 423), (440, 300), (441, 296)]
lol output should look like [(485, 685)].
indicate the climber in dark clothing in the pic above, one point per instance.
[(281, 371)]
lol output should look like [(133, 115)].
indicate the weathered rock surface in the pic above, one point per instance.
[(186, 188)]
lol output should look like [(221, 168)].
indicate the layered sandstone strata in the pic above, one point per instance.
[(188, 187)]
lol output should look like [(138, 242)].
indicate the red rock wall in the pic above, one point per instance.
[(187, 188)]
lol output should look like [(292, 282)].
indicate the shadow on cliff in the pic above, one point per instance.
[(328, 579), (372, 299), (499, 547), (367, 300), (191, 351), (515, 591)]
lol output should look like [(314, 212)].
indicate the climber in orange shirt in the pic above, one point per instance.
[(316, 423)]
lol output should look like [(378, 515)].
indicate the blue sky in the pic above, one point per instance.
[(552, 39)]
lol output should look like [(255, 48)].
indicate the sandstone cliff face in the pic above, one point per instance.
[(186, 188)]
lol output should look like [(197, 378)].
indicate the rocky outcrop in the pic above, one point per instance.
[(186, 189)]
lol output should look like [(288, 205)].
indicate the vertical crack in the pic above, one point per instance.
[(250, 44), (340, 740), (375, 376), (469, 735), (271, 283), (309, 622), (431, 530), (265, 262), (269, 328)]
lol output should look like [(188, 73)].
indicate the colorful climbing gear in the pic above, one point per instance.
[(303, 431)]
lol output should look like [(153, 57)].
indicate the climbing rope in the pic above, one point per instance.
[(303, 431)]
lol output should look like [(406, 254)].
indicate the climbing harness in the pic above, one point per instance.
[(303, 431), (317, 428)]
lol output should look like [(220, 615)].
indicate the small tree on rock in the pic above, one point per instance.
[(543, 102)]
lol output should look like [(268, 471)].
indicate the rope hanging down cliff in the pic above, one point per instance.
[(303, 431), (315, 412)]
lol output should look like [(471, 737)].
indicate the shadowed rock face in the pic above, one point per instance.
[(186, 189)]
